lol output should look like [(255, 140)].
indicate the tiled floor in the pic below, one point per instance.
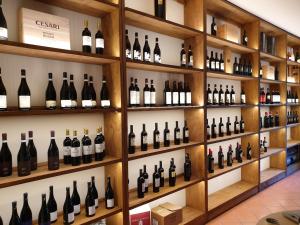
[(284, 195)]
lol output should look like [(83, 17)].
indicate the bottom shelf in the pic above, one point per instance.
[(190, 214), (270, 173), (224, 195)]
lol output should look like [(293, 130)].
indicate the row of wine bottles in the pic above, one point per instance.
[(158, 177), (73, 152), (71, 208), (269, 97), (269, 120), (239, 127), (220, 97), (87, 39), (68, 93), (292, 117), (229, 159), (263, 146), (156, 137), (292, 97)]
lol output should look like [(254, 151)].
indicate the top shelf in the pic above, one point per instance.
[(155, 24)]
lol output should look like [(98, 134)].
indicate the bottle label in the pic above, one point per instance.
[(5, 169), (177, 133), (53, 216), (86, 103), (191, 62), (188, 98), (227, 98), (3, 33), (215, 98), (207, 63), (145, 140), (157, 58), (157, 182), (153, 97), (208, 131), (162, 175), (136, 55), (147, 56), (215, 27), (222, 66), (105, 103), (243, 99), (246, 39), (167, 136), (182, 98), (70, 217), (175, 98), (49, 104), (3, 102), (168, 98), (217, 65), (73, 103), (99, 43), (143, 187), (92, 210), (110, 203), (243, 126), (137, 97), (96, 202), (24, 101), (173, 174), (99, 148), (65, 103), (222, 98), (157, 138), (213, 65), (132, 141), (75, 152), (77, 209), (87, 150), (146, 183), (233, 98), (183, 59), (160, 2), (187, 133), (209, 98), (128, 54), (86, 41), (147, 97), (67, 150)]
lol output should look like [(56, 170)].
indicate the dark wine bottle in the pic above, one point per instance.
[(104, 95), (93, 92), (3, 25), (3, 94), (52, 206), (44, 215), (227, 96), (221, 96), (156, 137), (5, 158), (147, 94), (86, 95), (99, 40), (245, 38), (161, 172), (235, 66), (217, 62), (222, 65), (155, 180), (94, 192), (190, 57), (220, 158), (99, 145), (208, 133), (32, 150), (75, 199), (157, 52), (128, 47), (212, 62), (167, 94), (229, 156), (232, 96), (68, 209), (236, 126), (146, 50), (185, 132), (144, 139), (132, 93), (213, 129), (137, 93), (215, 96), (228, 127), (187, 168), (50, 94), (175, 94), (67, 148), (75, 150), (1, 222), (24, 93), (141, 185), (166, 136), (131, 141), (146, 177), (183, 56), (213, 27), (188, 94), (14, 219), (211, 162), (172, 174), (73, 93), (160, 8), (249, 152), (90, 209), (177, 134), (152, 94), (209, 95), (86, 38), (65, 101), (26, 214), (221, 129), (137, 48), (242, 125), (181, 92), (53, 153), (24, 164), (109, 195), (86, 147), (243, 97)]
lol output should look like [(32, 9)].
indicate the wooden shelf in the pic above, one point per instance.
[(227, 138), (292, 143), (222, 43), (292, 63), (263, 130), (42, 172), (155, 24), (270, 58), (229, 76), (150, 152), (292, 84), (271, 105), (14, 111), (158, 108), (270, 173), (270, 152), (227, 169), (230, 106), (160, 67), (134, 201), (226, 194), (293, 125), (189, 214), (270, 81), (16, 48), (293, 104), (96, 8)]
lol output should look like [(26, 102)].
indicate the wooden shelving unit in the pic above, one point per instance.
[(231, 137), (230, 76)]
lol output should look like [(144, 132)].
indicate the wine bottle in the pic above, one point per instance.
[(128, 47), (215, 96), (211, 162), (26, 214), (266, 120), (3, 94), (65, 101), (14, 219), (243, 97), (277, 119), (172, 174), (249, 154), (147, 94), (271, 119), (24, 93), (222, 65), (268, 97), (220, 158), (217, 62), (86, 38), (94, 192), (213, 27), (185, 132), (190, 57), (90, 209), (67, 148), (86, 95), (156, 137), (188, 94), (160, 8), (227, 96), (75, 199), (208, 134), (157, 52), (146, 177), (24, 164), (3, 25), (229, 160), (212, 62), (232, 96), (137, 48), (5, 158), (265, 145), (75, 150), (161, 172), (53, 154), (52, 206), (109, 195), (175, 95), (132, 94), (239, 153), (183, 56), (152, 94), (228, 127), (1, 222), (104, 94), (221, 96), (141, 185), (166, 135), (236, 126), (155, 180), (99, 40), (44, 215), (181, 92), (209, 96), (73, 93), (86, 147), (221, 129), (235, 66), (207, 61), (99, 145), (146, 50), (137, 93), (32, 151), (167, 94), (177, 134), (245, 38), (50, 94), (242, 125), (68, 209), (131, 141), (213, 129), (144, 142), (241, 67), (187, 168), (93, 92)]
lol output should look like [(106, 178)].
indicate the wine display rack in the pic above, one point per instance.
[(201, 205)]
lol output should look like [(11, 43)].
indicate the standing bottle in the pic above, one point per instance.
[(181, 92), (242, 125), (208, 134), (44, 215), (182, 56), (104, 95), (72, 93), (177, 134), (152, 95), (222, 65), (68, 209), (229, 156), (99, 145), (3, 94), (93, 92), (75, 199), (14, 219), (236, 126), (137, 48), (160, 8), (188, 94), (235, 66), (146, 50), (185, 132), (209, 96), (5, 158), (213, 129), (86, 96), (95, 192), (146, 177), (137, 92), (109, 195), (24, 96), (232, 96), (213, 27), (215, 96), (167, 94), (227, 96), (220, 158), (190, 57), (86, 38), (187, 167), (221, 130), (67, 148), (50, 94), (211, 162), (132, 93), (86, 147), (75, 150), (243, 97), (175, 95), (212, 62), (128, 46), (161, 172), (32, 151), (24, 163), (249, 152), (155, 180), (65, 101), (141, 185), (166, 135), (156, 138), (99, 40), (53, 154), (217, 62), (3, 25), (157, 52), (144, 139), (147, 94), (228, 127), (221, 96), (131, 141), (52, 206), (172, 174), (26, 214), (245, 38), (90, 209)]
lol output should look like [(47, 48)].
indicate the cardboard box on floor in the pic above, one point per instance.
[(166, 214)]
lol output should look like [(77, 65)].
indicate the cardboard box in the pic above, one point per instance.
[(268, 72), (140, 215), (174, 208), (162, 216), (229, 32)]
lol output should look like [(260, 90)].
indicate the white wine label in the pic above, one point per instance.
[(111, 203), (137, 55), (147, 56), (132, 141), (92, 210), (71, 217), (175, 98), (167, 136), (65, 103), (3, 102), (217, 65), (24, 101), (153, 97), (99, 43), (53, 216), (96, 202), (157, 138), (246, 39), (233, 98), (177, 134), (182, 98), (87, 150), (77, 209), (168, 98), (227, 98), (187, 133), (3, 33), (157, 182), (207, 63), (145, 139), (222, 66), (146, 182), (215, 27), (137, 97), (157, 58), (191, 62), (75, 151), (99, 148), (86, 41), (209, 98), (86, 103), (132, 97), (173, 174), (215, 98), (50, 103), (183, 60), (67, 150), (105, 103), (243, 125), (188, 98), (243, 99), (213, 65), (222, 98), (128, 54), (73, 103), (147, 97), (162, 175)]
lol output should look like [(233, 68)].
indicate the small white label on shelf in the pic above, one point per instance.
[(168, 98), (157, 58), (105, 103), (147, 97), (50, 104), (209, 98), (222, 98), (3, 102), (92, 210), (132, 97), (71, 217), (86, 41), (75, 152), (147, 57), (86, 103), (207, 63), (217, 65), (3, 33), (24, 101), (110, 203), (67, 150), (182, 98), (157, 182), (53, 216), (77, 209), (188, 97), (99, 43), (153, 98), (175, 98), (213, 65), (215, 98), (243, 99), (99, 148), (96, 202), (65, 103)]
